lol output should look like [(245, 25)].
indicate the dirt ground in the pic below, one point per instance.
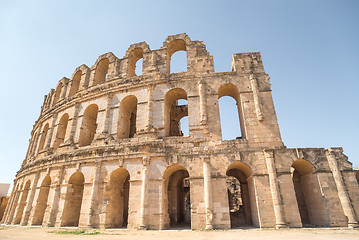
[(248, 234)]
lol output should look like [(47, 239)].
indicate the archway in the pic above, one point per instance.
[(61, 130), (177, 198), (172, 47), (22, 203), (101, 71), (239, 199), (43, 137), (75, 83), (42, 201), (117, 211), (176, 107), (134, 56), (230, 110), (127, 119), (73, 200), (307, 190), (89, 125)]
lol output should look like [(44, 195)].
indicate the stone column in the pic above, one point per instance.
[(51, 212), (162, 207), (342, 192), (30, 198), (94, 193), (208, 193), (202, 102), (73, 125), (9, 204), (145, 163), (277, 200), (51, 130), (149, 109), (107, 114), (255, 90)]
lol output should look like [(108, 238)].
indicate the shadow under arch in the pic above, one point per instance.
[(311, 207), (241, 199), (176, 201), (73, 200), (42, 201), (127, 117), (117, 210)]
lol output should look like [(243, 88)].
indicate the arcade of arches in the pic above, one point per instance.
[(111, 149)]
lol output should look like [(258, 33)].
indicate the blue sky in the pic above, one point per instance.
[(309, 48)]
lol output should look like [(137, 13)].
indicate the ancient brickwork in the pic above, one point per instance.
[(108, 152)]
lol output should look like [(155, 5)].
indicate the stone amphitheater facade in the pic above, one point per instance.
[(107, 151)]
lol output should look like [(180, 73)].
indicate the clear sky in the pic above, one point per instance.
[(310, 49)]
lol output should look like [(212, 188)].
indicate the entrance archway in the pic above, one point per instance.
[(307, 190), (239, 199), (73, 202), (117, 211), (42, 201), (177, 197)]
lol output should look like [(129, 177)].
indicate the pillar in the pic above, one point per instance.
[(73, 124), (208, 193), (202, 102), (255, 90), (145, 164), (30, 198), (149, 109), (107, 113), (343, 195), (51, 131), (94, 199), (277, 200)]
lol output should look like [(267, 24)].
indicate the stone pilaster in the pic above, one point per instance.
[(51, 131), (70, 140), (342, 192), (255, 90), (208, 193), (202, 102), (145, 165), (277, 200)]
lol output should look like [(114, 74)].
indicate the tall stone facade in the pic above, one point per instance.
[(107, 151)]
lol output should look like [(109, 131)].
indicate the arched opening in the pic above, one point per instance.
[(134, 58), (73, 200), (23, 202), (43, 137), (172, 47), (179, 62), (33, 144), (176, 107), (57, 94), (230, 112), (117, 211), (61, 130), (75, 83), (89, 125), (239, 197), (177, 200), (42, 201), (307, 191), (127, 118), (101, 71)]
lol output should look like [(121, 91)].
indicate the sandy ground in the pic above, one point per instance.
[(247, 234)]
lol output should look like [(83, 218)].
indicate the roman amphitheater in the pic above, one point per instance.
[(108, 151)]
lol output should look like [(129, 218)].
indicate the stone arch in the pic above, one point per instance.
[(45, 130), (311, 207), (57, 94), (75, 83), (135, 55), (89, 125), (61, 130), (240, 184), (232, 91), (42, 201), (101, 71), (173, 47), (177, 203), (173, 112), (117, 211), (23, 202), (73, 200), (127, 117)]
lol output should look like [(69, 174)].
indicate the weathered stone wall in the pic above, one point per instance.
[(102, 153)]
